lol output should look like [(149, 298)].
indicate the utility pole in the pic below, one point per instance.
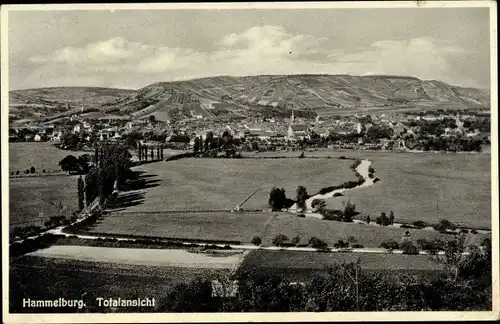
[(357, 285)]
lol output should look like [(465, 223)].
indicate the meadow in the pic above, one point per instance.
[(223, 226), (29, 196), (409, 183), (304, 265), (427, 187), (41, 155), (419, 186), (201, 184)]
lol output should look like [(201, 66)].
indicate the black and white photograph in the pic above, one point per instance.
[(249, 161)]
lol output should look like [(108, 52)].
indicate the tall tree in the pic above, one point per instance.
[(277, 199), (81, 194), (301, 197)]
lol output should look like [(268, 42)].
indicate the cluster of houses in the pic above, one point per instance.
[(107, 127)]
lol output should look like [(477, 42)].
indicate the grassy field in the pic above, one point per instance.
[(201, 184), (28, 196), (43, 278), (428, 187), (332, 231), (303, 265), (146, 257), (239, 227), (41, 155)]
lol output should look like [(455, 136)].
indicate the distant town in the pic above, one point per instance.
[(439, 130)]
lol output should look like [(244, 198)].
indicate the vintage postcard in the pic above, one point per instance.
[(249, 162)]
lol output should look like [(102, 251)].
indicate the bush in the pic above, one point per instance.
[(406, 226), (279, 240), (356, 163), (430, 245), (316, 243), (318, 205), (301, 215), (473, 231), (17, 172), (43, 171), (419, 224), (342, 157), (376, 180), (444, 225), (389, 245), (256, 240), (357, 246), (341, 244), (463, 230), (332, 214), (32, 169), (296, 240), (409, 248), (337, 194)]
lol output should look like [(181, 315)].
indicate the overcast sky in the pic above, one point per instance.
[(132, 48)]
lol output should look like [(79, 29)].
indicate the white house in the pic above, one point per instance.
[(37, 138)]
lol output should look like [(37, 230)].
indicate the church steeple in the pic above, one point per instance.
[(292, 119), (459, 123)]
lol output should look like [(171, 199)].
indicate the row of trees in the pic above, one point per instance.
[(110, 172), (212, 145), (143, 152)]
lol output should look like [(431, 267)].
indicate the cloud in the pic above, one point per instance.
[(257, 50)]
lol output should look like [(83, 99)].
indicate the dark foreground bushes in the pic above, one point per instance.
[(32, 244), (334, 290)]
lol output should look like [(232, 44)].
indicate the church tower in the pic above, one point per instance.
[(292, 119), (459, 123)]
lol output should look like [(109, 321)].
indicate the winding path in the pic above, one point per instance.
[(362, 169)]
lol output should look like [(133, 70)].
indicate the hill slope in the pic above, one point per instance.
[(38, 103), (245, 96)]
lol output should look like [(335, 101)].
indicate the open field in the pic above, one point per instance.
[(201, 184), (28, 196), (41, 155), (146, 257), (44, 278), (303, 265), (332, 231), (428, 187), (419, 186), (223, 226)]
